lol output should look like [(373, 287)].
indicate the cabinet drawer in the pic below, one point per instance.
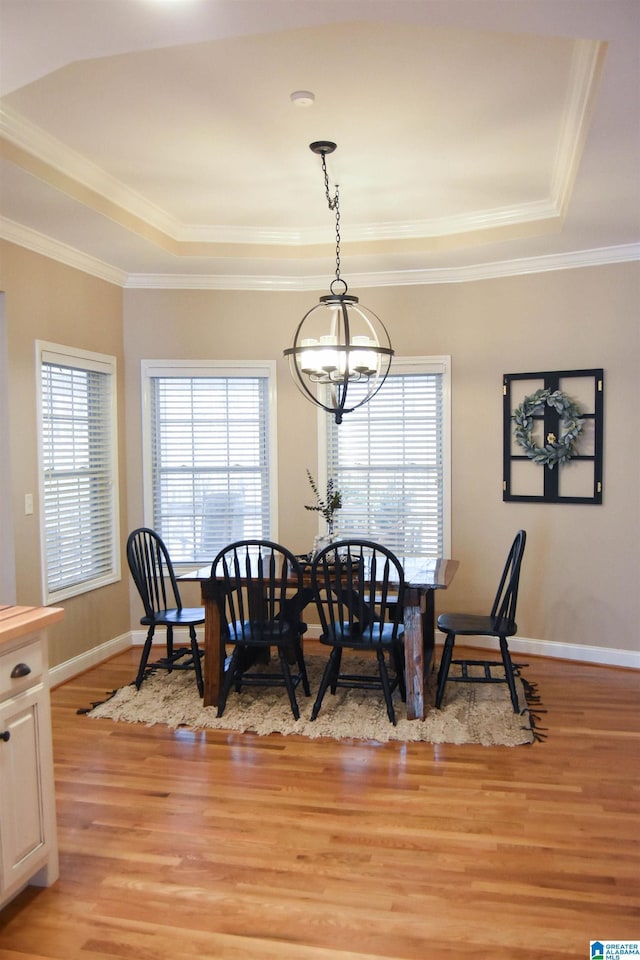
[(30, 655)]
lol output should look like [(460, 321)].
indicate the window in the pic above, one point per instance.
[(390, 460), (78, 470), (210, 474)]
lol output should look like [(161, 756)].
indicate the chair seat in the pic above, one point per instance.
[(176, 617), (469, 624), (246, 633), (351, 635)]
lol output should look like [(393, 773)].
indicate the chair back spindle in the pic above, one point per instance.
[(506, 598), (151, 568)]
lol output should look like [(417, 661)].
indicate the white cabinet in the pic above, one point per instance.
[(28, 844)]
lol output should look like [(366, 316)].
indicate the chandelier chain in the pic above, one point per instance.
[(337, 208), (334, 204)]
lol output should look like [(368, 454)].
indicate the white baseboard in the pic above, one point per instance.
[(180, 635), (91, 658), (603, 656), (580, 652)]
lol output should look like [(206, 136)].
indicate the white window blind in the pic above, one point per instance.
[(210, 463), (79, 518), (390, 460)]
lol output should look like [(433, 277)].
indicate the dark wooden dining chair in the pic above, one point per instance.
[(499, 623), (154, 577), (261, 586), (358, 588)]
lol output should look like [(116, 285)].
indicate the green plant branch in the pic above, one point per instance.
[(328, 506)]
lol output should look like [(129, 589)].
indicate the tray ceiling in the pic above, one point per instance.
[(156, 144)]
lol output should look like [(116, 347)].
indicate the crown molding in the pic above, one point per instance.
[(370, 232), (32, 240), (186, 281), (39, 243), (19, 131), (482, 271), (498, 269)]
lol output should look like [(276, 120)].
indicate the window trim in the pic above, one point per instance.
[(403, 366), (47, 352), (208, 368)]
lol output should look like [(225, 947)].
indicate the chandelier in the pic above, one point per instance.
[(338, 342)]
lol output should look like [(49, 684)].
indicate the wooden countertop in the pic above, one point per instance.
[(16, 621)]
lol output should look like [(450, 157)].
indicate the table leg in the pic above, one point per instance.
[(213, 649), (429, 632), (419, 640)]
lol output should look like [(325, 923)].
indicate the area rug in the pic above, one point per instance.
[(478, 713)]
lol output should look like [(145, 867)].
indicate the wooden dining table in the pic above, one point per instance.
[(423, 576)]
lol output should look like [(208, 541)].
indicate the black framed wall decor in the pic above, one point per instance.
[(553, 436)]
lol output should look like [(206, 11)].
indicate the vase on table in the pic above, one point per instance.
[(322, 541)]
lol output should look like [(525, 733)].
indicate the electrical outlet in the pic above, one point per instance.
[(28, 504)]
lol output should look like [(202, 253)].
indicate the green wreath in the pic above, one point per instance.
[(555, 451)]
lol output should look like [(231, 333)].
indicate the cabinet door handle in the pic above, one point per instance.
[(20, 670), (5, 735)]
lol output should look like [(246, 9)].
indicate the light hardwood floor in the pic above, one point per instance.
[(182, 845)]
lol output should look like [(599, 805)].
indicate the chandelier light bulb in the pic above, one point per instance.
[(309, 357)]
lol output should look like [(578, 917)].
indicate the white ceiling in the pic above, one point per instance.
[(154, 142)]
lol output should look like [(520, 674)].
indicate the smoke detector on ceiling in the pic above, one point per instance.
[(302, 98)]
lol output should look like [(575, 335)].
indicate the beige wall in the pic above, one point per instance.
[(582, 565), (45, 300)]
